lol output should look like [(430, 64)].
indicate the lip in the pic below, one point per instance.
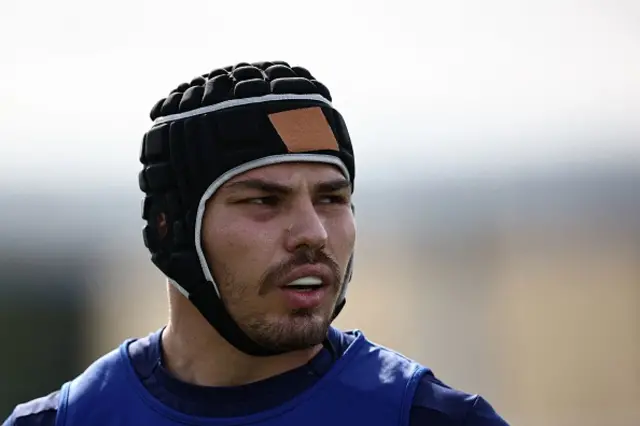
[(316, 270)]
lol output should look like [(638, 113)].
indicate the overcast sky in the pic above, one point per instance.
[(442, 87)]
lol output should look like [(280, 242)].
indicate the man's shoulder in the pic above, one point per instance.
[(436, 403), (37, 412), (42, 411)]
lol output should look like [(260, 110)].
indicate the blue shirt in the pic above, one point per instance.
[(431, 402)]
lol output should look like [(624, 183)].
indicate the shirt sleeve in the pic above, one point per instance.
[(10, 421), (37, 412), (483, 414), (436, 404)]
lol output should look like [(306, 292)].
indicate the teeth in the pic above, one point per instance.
[(305, 281)]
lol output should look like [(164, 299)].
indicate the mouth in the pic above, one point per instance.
[(308, 277), (307, 287), (303, 284)]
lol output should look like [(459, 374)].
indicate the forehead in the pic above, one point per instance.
[(292, 173)]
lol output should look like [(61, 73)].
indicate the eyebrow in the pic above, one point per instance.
[(276, 188), (333, 185)]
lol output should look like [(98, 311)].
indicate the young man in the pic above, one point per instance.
[(248, 175)]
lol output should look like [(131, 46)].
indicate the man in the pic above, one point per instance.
[(248, 175)]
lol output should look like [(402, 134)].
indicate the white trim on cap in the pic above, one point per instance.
[(240, 102), (245, 167)]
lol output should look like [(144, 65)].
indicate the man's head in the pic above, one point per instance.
[(248, 173)]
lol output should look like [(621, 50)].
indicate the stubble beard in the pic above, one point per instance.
[(299, 330)]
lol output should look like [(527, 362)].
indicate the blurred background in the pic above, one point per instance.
[(498, 201)]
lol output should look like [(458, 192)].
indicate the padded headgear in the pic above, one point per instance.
[(204, 133)]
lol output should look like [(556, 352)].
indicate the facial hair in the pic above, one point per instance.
[(301, 328), (273, 277)]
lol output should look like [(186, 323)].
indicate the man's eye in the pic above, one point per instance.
[(267, 201), (334, 199)]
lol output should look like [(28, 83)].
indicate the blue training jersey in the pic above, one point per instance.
[(361, 383)]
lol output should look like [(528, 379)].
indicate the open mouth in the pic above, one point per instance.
[(305, 293), (305, 284)]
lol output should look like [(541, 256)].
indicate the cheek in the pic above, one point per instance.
[(240, 252), (343, 240)]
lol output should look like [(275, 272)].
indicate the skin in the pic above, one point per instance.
[(259, 227)]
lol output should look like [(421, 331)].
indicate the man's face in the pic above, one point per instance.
[(274, 226)]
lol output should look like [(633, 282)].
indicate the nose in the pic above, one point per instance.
[(306, 228)]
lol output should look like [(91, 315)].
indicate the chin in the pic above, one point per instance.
[(297, 331), (300, 321)]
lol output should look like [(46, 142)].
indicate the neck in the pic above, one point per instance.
[(195, 353)]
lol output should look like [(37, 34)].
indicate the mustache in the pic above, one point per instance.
[(304, 256)]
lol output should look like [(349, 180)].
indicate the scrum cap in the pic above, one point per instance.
[(207, 131)]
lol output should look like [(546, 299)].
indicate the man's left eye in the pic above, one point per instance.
[(333, 199), (268, 201)]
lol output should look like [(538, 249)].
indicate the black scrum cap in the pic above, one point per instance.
[(211, 129)]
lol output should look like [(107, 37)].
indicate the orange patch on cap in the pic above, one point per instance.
[(305, 129)]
